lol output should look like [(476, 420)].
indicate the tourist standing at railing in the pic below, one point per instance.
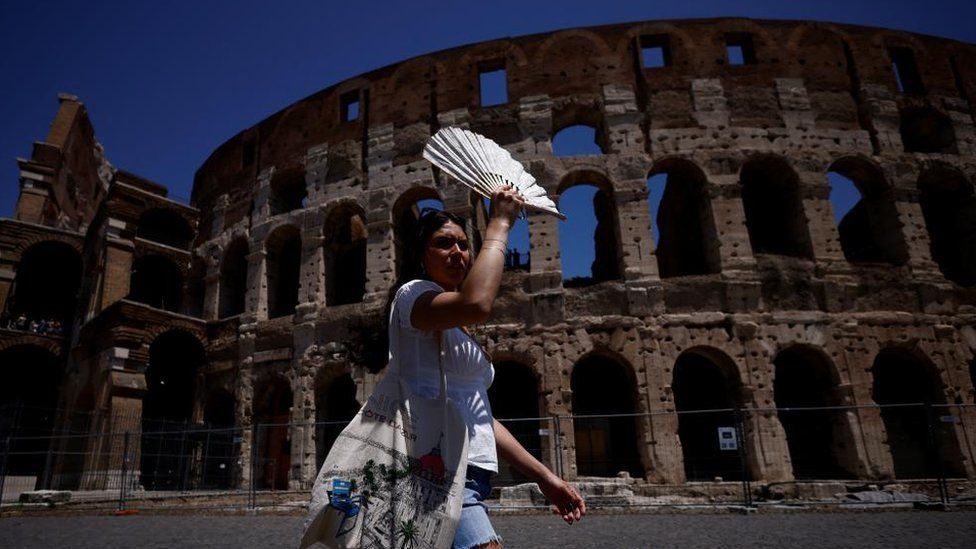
[(442, 290)]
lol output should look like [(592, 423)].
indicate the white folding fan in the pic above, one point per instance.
[(483, 165)]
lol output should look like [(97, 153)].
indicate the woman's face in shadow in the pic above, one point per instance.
[(447, 256)]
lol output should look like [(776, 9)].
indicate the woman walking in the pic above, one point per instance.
[(442, 291)]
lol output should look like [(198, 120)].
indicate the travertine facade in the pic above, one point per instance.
[(296, 226)]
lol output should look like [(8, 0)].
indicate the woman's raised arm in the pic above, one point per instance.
[(471, 303)]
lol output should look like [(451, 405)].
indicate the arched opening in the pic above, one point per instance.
[(926, 130), (345, 255), (195, 288), (406, 213), (219, 459), (29, 383), (949, 208), (45, 288), (514, 396), (606, 442), (518, 256), (577, 140), (175, 358), (774, 208), (706, 391), (591, 216), (288, 191), (157, 282), (865, 211), (165, 226), (684, 235), (818, 438), (233, 279), (284, 264), (335, 406), (903, 386), (272, 414)]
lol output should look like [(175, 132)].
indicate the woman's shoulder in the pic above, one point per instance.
[(417, 287)]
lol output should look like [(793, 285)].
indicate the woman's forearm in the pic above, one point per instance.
[(517, 456)]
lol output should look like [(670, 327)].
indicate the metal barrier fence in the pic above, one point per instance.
[(830, 454)]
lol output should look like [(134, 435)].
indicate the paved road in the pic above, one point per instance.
[(764, 530)]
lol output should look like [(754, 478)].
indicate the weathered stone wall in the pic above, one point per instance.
[(814, 93)]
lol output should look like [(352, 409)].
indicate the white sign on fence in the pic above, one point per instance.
[(726, 438)]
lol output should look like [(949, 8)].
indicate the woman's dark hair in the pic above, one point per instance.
[(411, 267), (415, 244)]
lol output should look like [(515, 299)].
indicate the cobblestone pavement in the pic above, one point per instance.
[(764, 530)]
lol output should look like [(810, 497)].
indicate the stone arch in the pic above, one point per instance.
[(404, 216), (233, 278), (495, 49), (607, 256), (49, 344), (574, 140), (29, 390), (905, 383), (515, 399), (796, 38), (165, 226), (597, 45), (157, 281), (176, 357), (806, 384), (925, 129), (284, 261), (427, 67), (23, 245), (773, 201), (948, 205), (706, 387), (288, 190), (871, 231), (884, 38), (335, 405), (687, 241), (272, 406), (605, 400), (345, 237), (46, 284)]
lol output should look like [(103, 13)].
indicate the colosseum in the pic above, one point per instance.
[(256, 308)]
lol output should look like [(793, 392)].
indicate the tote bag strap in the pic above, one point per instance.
[(440, 364)]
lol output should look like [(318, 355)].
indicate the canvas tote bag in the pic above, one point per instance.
[(395, 476)]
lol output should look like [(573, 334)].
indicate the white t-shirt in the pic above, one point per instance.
[(469, 372)]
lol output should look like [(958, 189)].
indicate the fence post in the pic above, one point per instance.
[(934, 442), (184, 463), (3, 466), (203, 464), (743, 458), (125, 463), (557, 445), (252, 491)]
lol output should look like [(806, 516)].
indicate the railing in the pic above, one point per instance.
[(618, 460)]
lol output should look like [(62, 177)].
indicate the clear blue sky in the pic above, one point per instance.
[(166, 82)]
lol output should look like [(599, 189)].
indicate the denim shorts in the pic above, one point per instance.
[(475, 529)]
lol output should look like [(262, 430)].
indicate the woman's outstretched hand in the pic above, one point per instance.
[(506, 204), (567, 501)]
